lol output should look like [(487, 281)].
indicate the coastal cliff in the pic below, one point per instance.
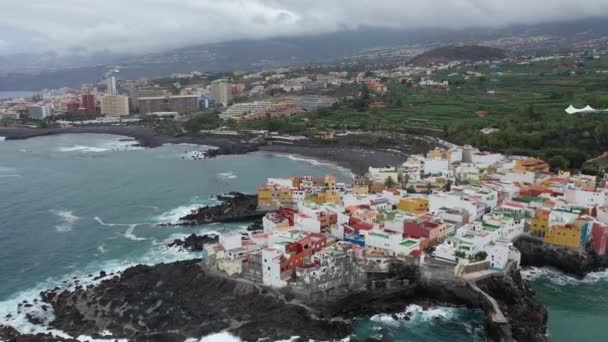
[(172, 302), (572, 262)]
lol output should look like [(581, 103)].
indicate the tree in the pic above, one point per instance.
[(448, 185), (481, 256), (389, 182)]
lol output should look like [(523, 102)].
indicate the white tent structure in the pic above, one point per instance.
[(587, 109)]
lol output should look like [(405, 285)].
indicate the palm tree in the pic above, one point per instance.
[(389, 182)]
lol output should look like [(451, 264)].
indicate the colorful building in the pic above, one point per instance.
[(568, 235), (414, 205)]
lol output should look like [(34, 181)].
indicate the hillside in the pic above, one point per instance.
[(469, 53), (362, 45)]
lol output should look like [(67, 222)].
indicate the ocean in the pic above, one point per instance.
[(74, 205), (12, 94)]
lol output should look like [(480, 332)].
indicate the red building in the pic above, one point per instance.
[(87, 103), (359, 225), (298, 251), (72, 107), (600, 238), (421, 229)]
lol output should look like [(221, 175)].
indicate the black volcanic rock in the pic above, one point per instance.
[(257, 225), (194, 243), (12, 335), (180, 300), (572, 262), (235, 207), (517, 300)]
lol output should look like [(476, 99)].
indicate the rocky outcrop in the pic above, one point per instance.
[(9, 334), (181, 300), (194, 243), (172, 302), (526, 315), (572, 262), (234, 207), (257, 225)]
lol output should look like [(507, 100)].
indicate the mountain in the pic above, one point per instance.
[(360, 45), (468, 53)]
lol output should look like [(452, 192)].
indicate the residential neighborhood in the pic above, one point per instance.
[(457, 208)]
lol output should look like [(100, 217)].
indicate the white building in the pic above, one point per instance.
[(392, 242), (474, 207), (306, 223), (436, 166), (586, 198), (500, 253), (239, 109), (38, 112), (486, 159), (231, 239), (111, 86), (272, 274)]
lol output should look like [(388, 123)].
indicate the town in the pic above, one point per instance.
[(242, 96), (453, 212)]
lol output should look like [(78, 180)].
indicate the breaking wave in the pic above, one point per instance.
[(129, 234), (226, 175), (67, 219), (118, 144), (559, 278), (418, 314), (13, 314)]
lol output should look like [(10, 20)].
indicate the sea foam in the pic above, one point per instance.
[(11, 314), (417, 314), (559, 278), (67, 220)]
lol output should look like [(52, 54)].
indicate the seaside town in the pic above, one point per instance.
[(458, 209), (242, 96)]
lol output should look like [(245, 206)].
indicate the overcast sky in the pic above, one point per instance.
[(136, 26)]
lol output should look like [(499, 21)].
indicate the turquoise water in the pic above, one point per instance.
[(578, 309), (73, 205)]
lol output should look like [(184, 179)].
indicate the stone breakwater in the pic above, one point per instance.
[(572, 262), (172, 302)]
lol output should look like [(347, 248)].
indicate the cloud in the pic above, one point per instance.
[(135, 26)]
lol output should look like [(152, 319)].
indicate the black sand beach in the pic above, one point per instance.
[(354, 158)]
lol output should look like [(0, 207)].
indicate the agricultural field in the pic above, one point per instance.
[(525, 103)]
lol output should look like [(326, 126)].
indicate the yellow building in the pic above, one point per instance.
[(532, 165), (540, 223), (264, 196), (568, 235), (285, 196), (115, 105), (413, 205), (361, 189), (330, 183), (332, 197)]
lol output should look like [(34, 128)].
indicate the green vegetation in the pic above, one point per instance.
[(481, 256), (524, 102)]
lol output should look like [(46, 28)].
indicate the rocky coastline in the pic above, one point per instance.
[(194, 243), (185, 300), (571, 262), (234, 207), (344, 154)]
